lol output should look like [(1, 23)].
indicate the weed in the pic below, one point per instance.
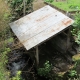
[(17, 8), (17, 77), (76, 29), (3, 61), (72, 73), (45, 71)]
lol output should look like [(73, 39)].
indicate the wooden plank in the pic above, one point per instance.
[(46, 34), (41, 26), (24, 24)]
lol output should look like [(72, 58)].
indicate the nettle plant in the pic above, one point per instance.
[(17, 8), (76, 28)]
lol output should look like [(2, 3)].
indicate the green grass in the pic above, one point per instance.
[(68, 5)]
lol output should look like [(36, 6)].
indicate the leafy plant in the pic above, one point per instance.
[(77, 21), (76, 28), (45, 71), (3, 61), (72, 73), (78, 37), (17, 77), (77, 78), (17, 8)]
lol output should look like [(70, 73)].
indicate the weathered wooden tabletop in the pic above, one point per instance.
[(39, 26)]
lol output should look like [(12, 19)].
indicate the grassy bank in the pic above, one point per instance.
[(68, 5)]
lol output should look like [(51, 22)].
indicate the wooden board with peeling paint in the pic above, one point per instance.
[(39, 26)]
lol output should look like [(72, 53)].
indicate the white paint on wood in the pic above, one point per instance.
[(39, 26)]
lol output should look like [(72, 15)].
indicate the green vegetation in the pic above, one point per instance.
[(6, 15), (17, 7), (45, 71), (48, 1), (17, 77), (72, 73), (3, 61), (67, 5), (4, 50), (76, 28)]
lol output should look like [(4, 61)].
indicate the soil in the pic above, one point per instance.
[(37, 4)]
